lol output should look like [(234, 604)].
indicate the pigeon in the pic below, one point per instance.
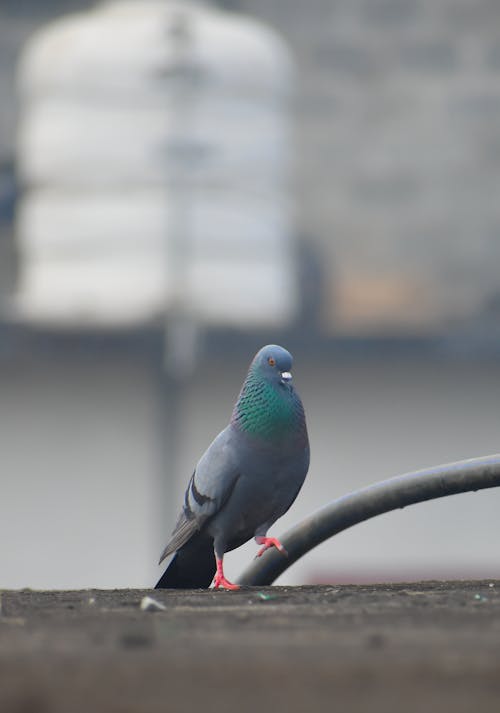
[(247, 478)]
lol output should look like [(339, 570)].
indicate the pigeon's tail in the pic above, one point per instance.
[(192, 567)]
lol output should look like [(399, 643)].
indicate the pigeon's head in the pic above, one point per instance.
[(268, 406), (274, 363)]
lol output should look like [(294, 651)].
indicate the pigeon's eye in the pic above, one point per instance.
[(271, 361)]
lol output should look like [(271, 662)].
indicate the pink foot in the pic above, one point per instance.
[(220, 580), (268, 542)]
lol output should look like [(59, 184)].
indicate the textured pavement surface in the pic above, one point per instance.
[(378, 648)]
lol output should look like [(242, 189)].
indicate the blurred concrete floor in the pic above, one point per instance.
[(384, 649)]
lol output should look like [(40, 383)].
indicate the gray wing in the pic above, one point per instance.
[(208, 490)]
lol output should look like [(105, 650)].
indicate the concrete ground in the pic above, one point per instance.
[(380, 648)]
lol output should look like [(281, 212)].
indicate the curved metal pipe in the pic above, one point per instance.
[(398, 492)]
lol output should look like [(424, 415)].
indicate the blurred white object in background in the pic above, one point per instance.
[(154, 150)]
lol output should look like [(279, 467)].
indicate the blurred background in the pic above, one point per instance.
[(181, 183)]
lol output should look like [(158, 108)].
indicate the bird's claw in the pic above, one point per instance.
[(221, 582), (267, 543)]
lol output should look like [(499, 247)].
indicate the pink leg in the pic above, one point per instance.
[(220, 580), (268, 542)]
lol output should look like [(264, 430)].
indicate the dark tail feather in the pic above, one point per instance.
[(192, 567)]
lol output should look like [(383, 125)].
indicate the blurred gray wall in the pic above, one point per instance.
[(81, 458), (88, 501)]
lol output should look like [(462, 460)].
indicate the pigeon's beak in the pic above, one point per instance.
[(285, 376)]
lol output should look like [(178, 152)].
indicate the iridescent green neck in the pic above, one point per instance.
[(266, 410)]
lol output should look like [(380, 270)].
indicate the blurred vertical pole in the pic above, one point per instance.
[(180, 327), (180, 336)]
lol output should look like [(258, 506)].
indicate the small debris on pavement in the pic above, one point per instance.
[(150, 604), (266, 597)]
